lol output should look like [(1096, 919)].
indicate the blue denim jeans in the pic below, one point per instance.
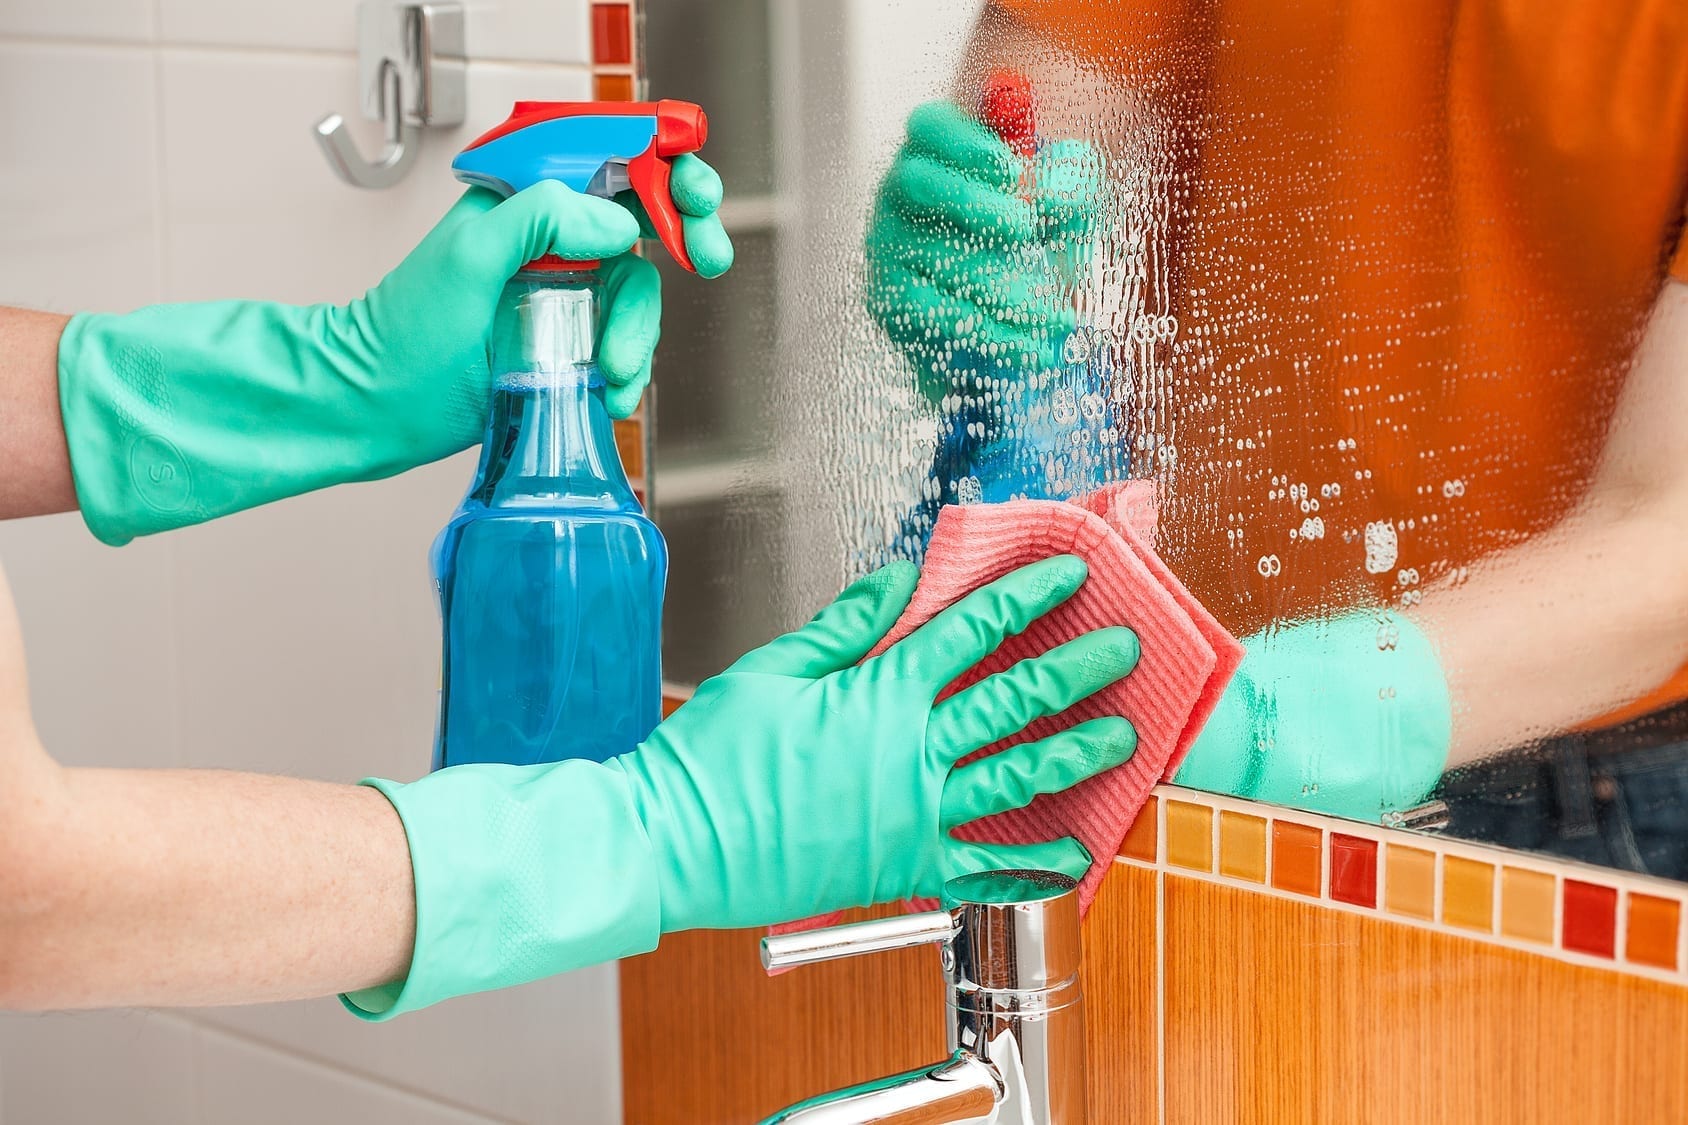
[(1618, 798)]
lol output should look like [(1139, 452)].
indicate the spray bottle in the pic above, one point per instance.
[(550, 577), (1066, 440)]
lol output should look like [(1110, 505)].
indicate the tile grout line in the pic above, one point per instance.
[(1494, 900), (1381, 891), (1325, 855), (1620, 925), (1681, 939), (1438, 876), (215, 47), (201, 1026)]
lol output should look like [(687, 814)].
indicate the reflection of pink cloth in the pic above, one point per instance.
[(1187, 656)]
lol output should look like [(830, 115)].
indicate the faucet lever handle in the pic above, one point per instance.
[(876, 935)]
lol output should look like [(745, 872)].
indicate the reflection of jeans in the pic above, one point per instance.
[(1617, 798)]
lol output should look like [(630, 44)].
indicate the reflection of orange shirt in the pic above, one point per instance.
[(1414, 248)]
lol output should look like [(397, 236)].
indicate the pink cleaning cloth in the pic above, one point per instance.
[(1187, 656)]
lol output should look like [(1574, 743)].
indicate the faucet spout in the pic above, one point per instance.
[(961, 1090)]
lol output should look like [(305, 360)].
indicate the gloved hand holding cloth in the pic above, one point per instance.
[(177, 414), (801, 780)]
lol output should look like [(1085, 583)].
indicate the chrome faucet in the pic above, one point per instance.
[(1009, 945)]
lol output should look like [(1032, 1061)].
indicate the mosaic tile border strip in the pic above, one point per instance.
[(1569, 911), (615, 57)]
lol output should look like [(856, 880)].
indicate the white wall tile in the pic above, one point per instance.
[(309, 642), (544, 1052), (251, 208), (299, 639), (99, 630), (129, 21), (532, 30), (78, 184), (87, 1068), (246, 1084)]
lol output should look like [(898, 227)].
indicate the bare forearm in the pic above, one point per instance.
[(1575, 625), (184, 887), (37, 478), (1594, 613)]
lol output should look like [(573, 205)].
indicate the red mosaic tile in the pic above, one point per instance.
[(612, 33), (1591, 918), (1353, 870)]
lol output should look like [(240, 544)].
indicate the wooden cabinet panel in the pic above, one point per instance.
[(1279, 1011)]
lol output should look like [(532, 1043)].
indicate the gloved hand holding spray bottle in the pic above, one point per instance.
[(550, 576), (979, 235)]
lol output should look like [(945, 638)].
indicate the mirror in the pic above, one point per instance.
[(1381, 312)]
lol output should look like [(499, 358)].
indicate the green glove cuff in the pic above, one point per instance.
[(521, 873), (1349, 716), (177, 414)]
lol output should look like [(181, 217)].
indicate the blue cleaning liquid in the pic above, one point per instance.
[(550, 580)]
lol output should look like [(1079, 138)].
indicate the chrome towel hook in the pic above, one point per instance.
[(411, 63)]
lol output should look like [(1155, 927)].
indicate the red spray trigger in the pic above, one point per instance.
[(681, 127), (1008, 108)]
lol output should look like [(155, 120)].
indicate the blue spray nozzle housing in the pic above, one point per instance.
[(583, 152), (596, 148)]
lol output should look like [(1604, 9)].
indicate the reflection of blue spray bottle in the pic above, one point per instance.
[(1065, 444), (550, 577), (1054, 434)]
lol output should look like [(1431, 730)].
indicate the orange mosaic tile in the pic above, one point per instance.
[(1142, 838), (1409, 882), (1189, 835), (1526, 904), (612, 87), (630, 443), (1654, 924), (1296, 857), (1242, 846), (1468, 894)]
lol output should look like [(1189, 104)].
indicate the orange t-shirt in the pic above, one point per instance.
[(1409, 247)]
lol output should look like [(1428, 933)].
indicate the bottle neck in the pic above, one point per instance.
[(549, 438)]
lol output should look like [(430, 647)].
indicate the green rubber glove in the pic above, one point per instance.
[(797, 782), (177, 414), (971, 254), (1348, 716)]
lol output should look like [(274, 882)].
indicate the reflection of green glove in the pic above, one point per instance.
[(181, 413), (796, 782), (969, 268), (1348, 716)]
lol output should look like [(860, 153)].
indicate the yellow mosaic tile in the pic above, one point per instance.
[(1526, 904), (1242, 846), (1468, 893), (1409, 882), (1189, 835)]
